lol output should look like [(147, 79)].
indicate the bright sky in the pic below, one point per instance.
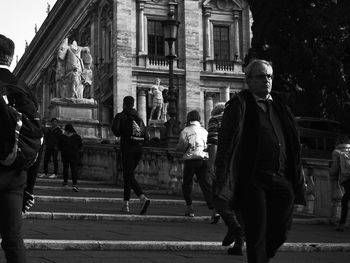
[(18, 19)]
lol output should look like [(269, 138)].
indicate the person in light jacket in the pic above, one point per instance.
[(340, 173), (193, 145)]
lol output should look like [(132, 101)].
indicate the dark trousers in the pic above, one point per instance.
[(130, 160), (11, 202), (48, 153), (199, 168), (267, 208), (345, 202), (72, 163)]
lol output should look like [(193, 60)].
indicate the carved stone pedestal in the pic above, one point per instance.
[(156, 128), (81, 113)]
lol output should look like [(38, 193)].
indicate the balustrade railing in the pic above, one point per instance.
[(162, 168)]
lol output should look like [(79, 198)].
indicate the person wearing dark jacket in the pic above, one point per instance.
[(70, 145), (51, 143), (131, 152), (258, 166), (12, 178)]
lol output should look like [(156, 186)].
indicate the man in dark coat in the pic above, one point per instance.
[(258, 166), (12, 179), (52, 136), (131, 152)]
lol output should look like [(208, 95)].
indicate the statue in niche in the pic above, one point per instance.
[(158, 102), (73, 70)]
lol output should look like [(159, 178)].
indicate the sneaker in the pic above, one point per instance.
[(75, 188), (65, 185), (53, 176), (189, 211), (144, 205), (235, 250), (233, 233), (125, 208), (42, 175), (215, 217)]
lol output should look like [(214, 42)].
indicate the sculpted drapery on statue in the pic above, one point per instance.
[(73, 71)]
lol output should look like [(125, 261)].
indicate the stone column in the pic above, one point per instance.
[(141, 27), (209, 104), (225, 94), (208, 47), (237, 53), (141, 104)]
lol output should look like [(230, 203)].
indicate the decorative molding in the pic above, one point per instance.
[(223, 4)]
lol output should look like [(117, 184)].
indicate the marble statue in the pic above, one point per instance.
[(158, 111), (73, 70)]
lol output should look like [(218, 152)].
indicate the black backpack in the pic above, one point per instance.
[(136, 130), (20, 130)]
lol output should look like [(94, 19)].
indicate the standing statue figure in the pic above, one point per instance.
[(158, 105), (73, 69)]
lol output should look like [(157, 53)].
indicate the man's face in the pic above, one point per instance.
[(54, 123), (260, 80)]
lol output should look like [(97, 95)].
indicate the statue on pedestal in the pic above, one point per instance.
[(73, 71), (158, 102)]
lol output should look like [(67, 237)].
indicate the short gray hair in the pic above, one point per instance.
[(248, 70)]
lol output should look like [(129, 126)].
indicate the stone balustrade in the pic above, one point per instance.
[(161, 168)]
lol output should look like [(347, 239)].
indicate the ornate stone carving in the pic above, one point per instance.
[(223, 4)]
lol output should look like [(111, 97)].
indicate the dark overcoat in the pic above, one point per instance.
[(238, 147)]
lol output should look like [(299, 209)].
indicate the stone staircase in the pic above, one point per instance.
[(91, 220)]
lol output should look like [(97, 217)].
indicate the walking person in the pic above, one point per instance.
[(132, 132), (70, 145), (15, 98), (340, 174), (193, 144), (230, 217), (51, 148), (258, 166)]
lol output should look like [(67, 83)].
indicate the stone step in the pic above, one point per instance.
[(106, 245), (110, 235), (78, 199), (96, 189), (148, 218)]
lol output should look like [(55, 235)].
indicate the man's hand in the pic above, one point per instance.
[(28, 201)]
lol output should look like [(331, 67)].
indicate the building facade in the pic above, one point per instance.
[(126, 41)]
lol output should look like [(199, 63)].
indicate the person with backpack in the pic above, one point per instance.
[(193, 144), (132, 132), (70, 145), (21, 138), (340, 174)]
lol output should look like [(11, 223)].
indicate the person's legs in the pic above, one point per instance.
[(130, 162), (74, 170), (55, 162), (344, 202), (11, 225), (47, 157), (280, 204), (254, 217), (205, 182), (187, 180), (65, 170)]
